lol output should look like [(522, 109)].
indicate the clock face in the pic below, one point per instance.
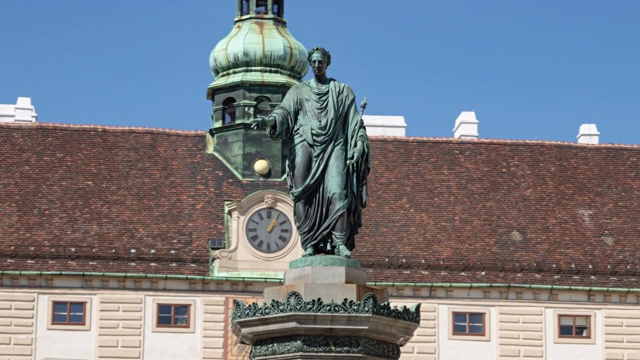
[(268, 230)]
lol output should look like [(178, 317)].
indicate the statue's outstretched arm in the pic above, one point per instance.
[(262, 122)]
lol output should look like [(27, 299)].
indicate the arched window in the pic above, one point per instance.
[(261, 7), (276, 8), (244, 10), (263, 106), (229, 113)]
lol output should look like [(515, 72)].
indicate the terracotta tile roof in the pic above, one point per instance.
[(136, 200)]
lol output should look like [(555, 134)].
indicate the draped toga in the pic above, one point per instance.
[(324, 125)]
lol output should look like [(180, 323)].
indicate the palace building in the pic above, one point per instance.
[(131, 243)]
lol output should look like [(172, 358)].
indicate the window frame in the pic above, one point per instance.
[(229, 111), (468, 323), (173, 316), (574, 339), (486, 324), (68, 300), (155, 311)]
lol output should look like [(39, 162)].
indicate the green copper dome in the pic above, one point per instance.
[(258, 51)]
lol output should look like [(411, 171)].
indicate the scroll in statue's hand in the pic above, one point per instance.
[(355, 154)]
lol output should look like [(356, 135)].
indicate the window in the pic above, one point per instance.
[(69, 313), (229, 111), (245, 8), (171, 315), (468, 323), (276, 9), (261, 7), (574, 327)]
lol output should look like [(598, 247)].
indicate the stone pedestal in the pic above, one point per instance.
[(324, 310)]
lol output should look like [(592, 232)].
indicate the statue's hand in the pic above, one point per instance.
[(258, 123), (355, 154), (262, 122)]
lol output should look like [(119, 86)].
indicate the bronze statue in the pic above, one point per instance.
[(329, 158)]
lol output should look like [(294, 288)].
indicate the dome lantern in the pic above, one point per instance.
[(254, 66)]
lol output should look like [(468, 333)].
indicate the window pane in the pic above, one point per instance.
[(460, 318), (77, 308), (164, 310), (164, 320), (76, 319), (460, 328), (181, 321), (566, 320), (475, 329), (181, 310), (475, 318), (566, 330), (59, 308), (582, 331), (59, 318), (581, 321)]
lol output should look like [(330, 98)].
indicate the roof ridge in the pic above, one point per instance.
[(103, 128), (420, 139)]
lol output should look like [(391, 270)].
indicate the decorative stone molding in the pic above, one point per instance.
[(337, 346), (294, 303)]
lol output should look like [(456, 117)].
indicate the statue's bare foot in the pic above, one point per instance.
[(310, 251), (344, 252)]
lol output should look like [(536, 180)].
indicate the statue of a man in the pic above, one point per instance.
[(328, 161)]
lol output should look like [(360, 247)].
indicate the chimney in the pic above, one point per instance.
[(21, 112), (466, 126), (588, 134), (378, 125)]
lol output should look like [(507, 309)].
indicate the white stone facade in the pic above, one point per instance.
[(519, 323)]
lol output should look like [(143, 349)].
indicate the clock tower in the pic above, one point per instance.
[(254, 67)]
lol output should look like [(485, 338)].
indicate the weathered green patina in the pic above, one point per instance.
[(254, 67), (325, 345), (328, 160)]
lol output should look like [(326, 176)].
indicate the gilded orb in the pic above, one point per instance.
[(261, 167)]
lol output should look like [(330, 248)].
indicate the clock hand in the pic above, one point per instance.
[(273, 223)]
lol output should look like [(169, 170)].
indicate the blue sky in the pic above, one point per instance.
[(531, 70)]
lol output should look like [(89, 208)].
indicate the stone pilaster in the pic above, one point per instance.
[(120, 327), (213, 327), (17, 316), (622, 334), (520, 333)]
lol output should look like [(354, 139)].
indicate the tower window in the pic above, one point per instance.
[(261, 7), (277, 8), (229, 111), (245, 8)]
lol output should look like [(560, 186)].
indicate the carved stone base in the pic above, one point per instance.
[(324, 347), (325, 277), (324, 310)]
